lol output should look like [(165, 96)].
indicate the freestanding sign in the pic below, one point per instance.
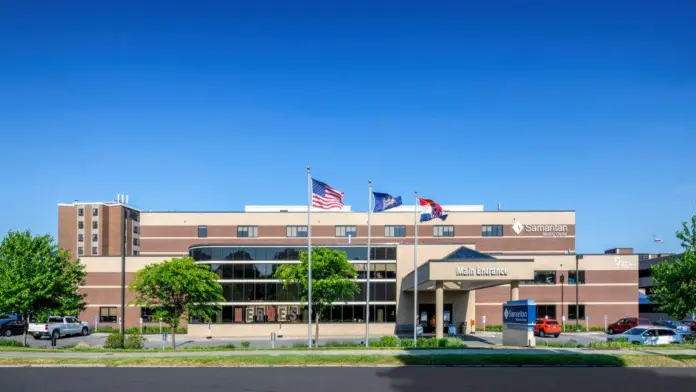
[(518, 323)]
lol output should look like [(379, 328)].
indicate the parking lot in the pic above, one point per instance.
[(478, 340)]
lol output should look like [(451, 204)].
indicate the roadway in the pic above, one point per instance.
[(402, 379)]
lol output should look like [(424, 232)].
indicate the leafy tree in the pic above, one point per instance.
[(175, 289), (688, 235), (331, 279), (37, 278), (675, 285)]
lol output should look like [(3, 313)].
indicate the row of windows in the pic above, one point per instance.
[(543, 311), (81, 251), (81, 225), (298, 314), (352, 231), (549, 277), (266, 271), (81, 211), (81, 237), (272, 292), (285, 253)]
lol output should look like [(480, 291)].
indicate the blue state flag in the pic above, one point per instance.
[(385, 201)]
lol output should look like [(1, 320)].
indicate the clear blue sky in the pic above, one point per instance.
[(203, 106)]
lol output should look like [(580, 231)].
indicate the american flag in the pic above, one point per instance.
[(325, 197), (658, 239)]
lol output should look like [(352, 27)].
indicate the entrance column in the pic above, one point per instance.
[(514, 290), (439, 308)]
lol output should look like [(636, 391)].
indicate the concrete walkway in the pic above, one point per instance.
[(158, 354)]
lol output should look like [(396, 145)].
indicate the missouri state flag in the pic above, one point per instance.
[(430, 210)]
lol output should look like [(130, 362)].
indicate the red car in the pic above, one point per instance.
[(547, 327), (627, 323)]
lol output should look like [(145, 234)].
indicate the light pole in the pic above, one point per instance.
[(562, 300), (577, 293)]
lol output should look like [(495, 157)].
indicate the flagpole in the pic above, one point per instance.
[(415, 271), (309, 257), (369, 233)]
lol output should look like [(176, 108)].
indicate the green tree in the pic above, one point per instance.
[(175, 289), (37, 278), (687, 235), (332, 276), (674, 281)]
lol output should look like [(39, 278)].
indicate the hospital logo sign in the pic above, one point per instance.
[(552, 230)]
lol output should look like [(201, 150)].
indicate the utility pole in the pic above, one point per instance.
[(123, 271)]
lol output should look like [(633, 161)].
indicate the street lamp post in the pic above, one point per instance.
[(562, 300), (577, 293)]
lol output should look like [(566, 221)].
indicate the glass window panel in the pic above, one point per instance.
[(391, 254), (381, 254), (227, 314), (336, 314), (228, 271), (362, 274), (249, 292), (391, 271), (391, 313), (227, 292), (361, 296), (359, 313), (219, 253), (238, 293), (202, 231), (348, 313), (271, 291), (260, 291), (249, 271), (390, 289)]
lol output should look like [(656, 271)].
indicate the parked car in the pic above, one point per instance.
[(691, 324), (9, 327), (649, 336), (59, 326), (675, 325), (547, 327), (627, 323)]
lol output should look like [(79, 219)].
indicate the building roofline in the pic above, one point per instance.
[(332, 212)]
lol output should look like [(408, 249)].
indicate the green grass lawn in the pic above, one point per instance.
[(372, 360)]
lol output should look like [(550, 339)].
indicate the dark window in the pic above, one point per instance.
[(146, 314), (572, 312), (345, 231), (95, 251), (80, 212), (543, 277), (135, 215), (81, 224), (136, 241), (202, 231), (645, 273), (136, 229), (571, 277), (543, 311), (108, 315), (95, 211), (394, 231), (80, 238), (95, 237), (135, 253), (80, 251), (443, 231), (95, 225), (296, 231), (247, 231), (492, 230)]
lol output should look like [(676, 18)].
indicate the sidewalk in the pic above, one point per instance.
[(160, 354)]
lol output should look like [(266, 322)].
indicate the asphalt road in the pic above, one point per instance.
[(403, 379)]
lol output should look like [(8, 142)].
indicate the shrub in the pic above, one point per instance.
[(82, 346), (427, 343), (613, 344), (406, 343), (134, 342), (494, 328), (113, 341), (335, 344), (246, 344), (10, 343), (388, 341), (566, 344), (451, 343)]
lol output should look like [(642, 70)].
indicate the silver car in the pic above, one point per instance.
[(649, 336)]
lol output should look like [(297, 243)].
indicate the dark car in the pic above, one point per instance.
[(627, 323), (10, 327)]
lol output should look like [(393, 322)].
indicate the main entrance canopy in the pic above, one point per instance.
[(467, 269)]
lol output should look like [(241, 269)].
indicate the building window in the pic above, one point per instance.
[(297, 231), (345, 231), (202, 231), (136, 229), (95, 211), (572, 314), (80, 211), (81, 225), (146, 314), (492, 230), (645, 273), (247, 231), (95, 251), (95, 237), (108, 315), (571, 277), (80, 238), (443, 231), (543, 311), (395, 231), (95, 225), (136, 241), (543, 277), (135, 215), (80, 251), (135, 253)]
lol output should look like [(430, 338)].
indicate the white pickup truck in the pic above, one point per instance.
[(59, 326)]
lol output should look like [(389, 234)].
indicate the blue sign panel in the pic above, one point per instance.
[(518, 314)]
